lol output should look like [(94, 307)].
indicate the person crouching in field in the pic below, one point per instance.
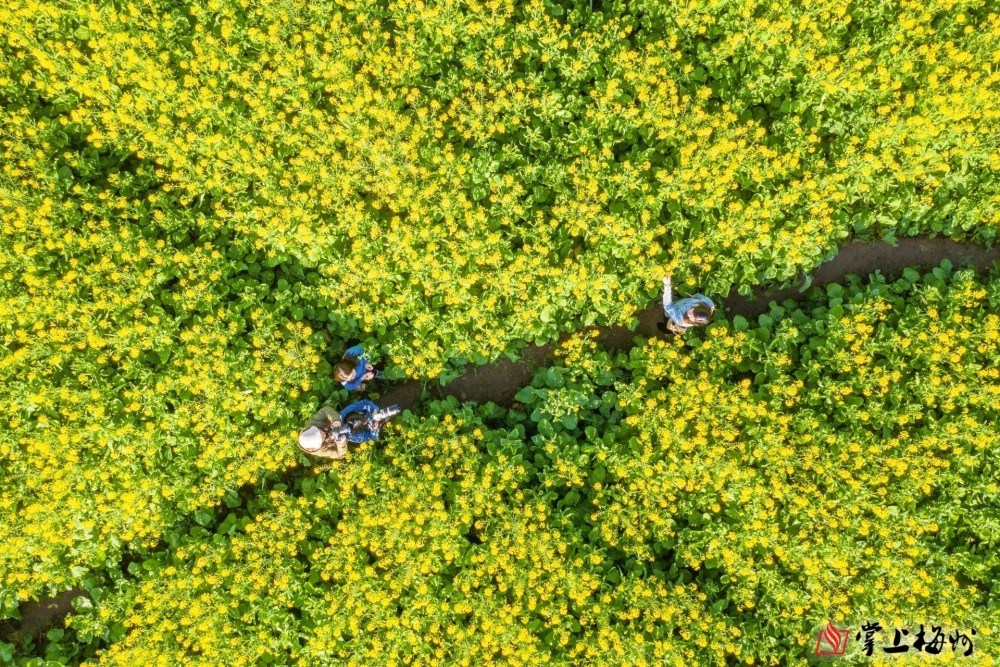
[(327, 434), (323, 436), (354, 371), (365, 420), (693, 311)]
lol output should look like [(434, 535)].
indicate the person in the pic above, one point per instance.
[(354, 371), (321, 436), (327, 434), (365, 420), (693, 311)]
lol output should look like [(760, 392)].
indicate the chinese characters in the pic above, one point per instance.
[(931, 642)]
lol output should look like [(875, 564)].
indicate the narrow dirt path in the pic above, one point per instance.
[(37, 617), (499, 381)]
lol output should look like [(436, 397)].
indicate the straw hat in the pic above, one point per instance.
[(311, 439)]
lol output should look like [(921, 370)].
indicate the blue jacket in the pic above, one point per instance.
[(367, 408), (358, 353), (675, 311)]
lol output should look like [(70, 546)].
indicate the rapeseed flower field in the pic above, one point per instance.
[(201, 204), (709, 502)]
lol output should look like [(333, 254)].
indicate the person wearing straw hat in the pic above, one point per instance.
[(322, 435)]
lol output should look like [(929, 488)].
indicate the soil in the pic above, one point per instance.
[(38, 617), (499, 381)]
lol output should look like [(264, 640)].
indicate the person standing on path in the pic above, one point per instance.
[(354, 371), (693, 311)]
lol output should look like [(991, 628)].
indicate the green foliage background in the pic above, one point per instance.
[(702, 502), (202, 202)]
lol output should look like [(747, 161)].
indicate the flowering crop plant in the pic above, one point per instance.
[(202, 202), (462, 177), (701, 502)]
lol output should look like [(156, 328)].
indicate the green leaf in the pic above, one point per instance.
[(228, 526), (718, 606), (232, 499), (525, 395), (740, 323)]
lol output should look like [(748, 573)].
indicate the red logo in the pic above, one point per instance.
[(831, 640)]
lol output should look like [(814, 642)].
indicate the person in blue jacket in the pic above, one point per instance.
[(693, 311), (362, 418), (354, 370)]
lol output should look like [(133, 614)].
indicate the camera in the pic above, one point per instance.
[(340, 433), (386, 414)]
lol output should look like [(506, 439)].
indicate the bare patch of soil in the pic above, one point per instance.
[(38, 617)]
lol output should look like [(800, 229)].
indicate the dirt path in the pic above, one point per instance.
[(499, 381), (37, 617)]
